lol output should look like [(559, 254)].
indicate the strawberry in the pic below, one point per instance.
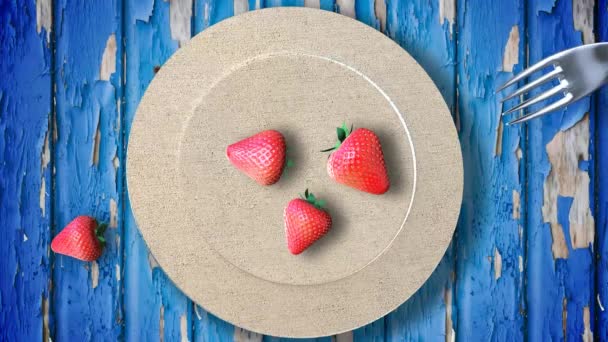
[(358, 161), (81, 239), (261, 157), (305, 222)]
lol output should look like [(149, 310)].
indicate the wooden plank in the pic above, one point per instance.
[(560, 265), (426, 31), (602, 188), (25, 169), (87, 296), (489, 277), (154, 308)]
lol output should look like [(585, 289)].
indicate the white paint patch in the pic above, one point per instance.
[(113, 213), (518, 154), (181, 16), (599, 302), (161, 324), (116, 162), (94, 274), (183, 328), (197, 311), (117, 270), (45, 158), (521, 264), (240, 6), (44, 17), (516, 205), (346, 7), (108, 59), (242, 335), (345, 337), (497, 264), (511, 54), (312, 3), (587, 334), (43, 196), (565, 179), (25, 238), (450, 333), (447, 11), (380, 12), (582, 13)]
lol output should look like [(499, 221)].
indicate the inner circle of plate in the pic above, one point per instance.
[(219, 236)]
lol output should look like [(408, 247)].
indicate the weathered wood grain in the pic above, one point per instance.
[(602, 187), (560, 224), (87, 296), (154, 308), (25, 170), (489, 280), (418, 26)]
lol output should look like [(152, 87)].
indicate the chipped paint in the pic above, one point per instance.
[(380, 13), (346, 7), (450, 334), (46, 333), (45, 158), (521, 263), (510, 56), (587, 334), (344, 337), (516, 205), (181, 16), (497, 264), (161, 324), (582, 14), (25, 238), (447, 12), (240, 6), (498, 141), (117, 272), (44, 17), (152, 261), (242, 335), (564, 316), (42, 195), (113, 214), (565, 151), (96, 144), (108, 60), (312, 3), (183, 327), (599, 302), (94, 274), (518, 153)]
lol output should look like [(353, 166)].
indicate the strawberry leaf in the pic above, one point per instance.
[(290, 163), (341, 134)]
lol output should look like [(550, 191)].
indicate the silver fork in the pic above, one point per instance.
[(579, 70)]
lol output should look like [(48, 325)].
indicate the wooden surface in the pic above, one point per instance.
[(530, 259)]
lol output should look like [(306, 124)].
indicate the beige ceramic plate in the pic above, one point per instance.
[(219, 235)]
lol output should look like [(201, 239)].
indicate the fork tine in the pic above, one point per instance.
[(553, 91), (545, 78), (527, 72), (554, 106)]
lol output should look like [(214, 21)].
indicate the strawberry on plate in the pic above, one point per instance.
[(261, 156), (358, 161), (305, 222), (81, 239)]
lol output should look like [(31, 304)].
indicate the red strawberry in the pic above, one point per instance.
[(358, 161), (81, 239), (305, 222), (260, 157)]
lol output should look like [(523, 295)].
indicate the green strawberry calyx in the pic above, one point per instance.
[(343, 133), (310, 198), (99, 231)]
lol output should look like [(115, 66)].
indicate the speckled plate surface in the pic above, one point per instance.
[(219, 236)]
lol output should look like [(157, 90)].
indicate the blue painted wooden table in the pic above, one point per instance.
[(530, 256)]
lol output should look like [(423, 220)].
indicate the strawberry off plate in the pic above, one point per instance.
[(219, 235)]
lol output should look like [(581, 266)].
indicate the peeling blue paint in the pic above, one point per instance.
[(488, 308), (551, 282), (25, 108), (84, 105), (148, 291)]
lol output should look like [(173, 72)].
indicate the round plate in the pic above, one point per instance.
[(220, 236)]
